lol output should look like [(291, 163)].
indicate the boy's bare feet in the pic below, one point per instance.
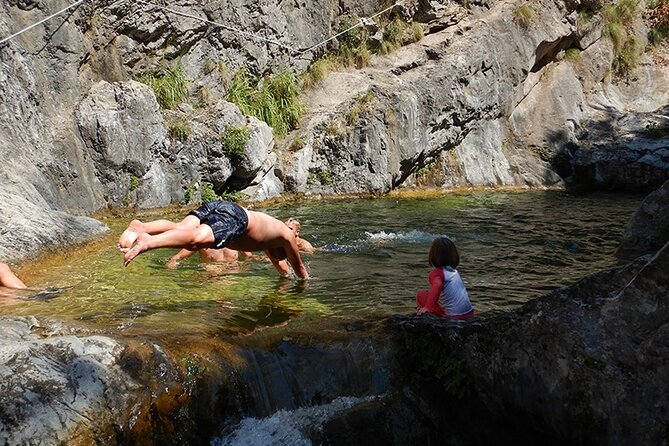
[(141, 245), (128, 237)]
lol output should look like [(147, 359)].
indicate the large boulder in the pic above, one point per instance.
[(648, 230)]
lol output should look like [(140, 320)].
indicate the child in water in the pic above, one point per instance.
[(447, 296)]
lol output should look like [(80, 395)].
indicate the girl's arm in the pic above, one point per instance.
[(436, 279)]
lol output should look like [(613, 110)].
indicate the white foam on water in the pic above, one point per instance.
[(285, 427), (413, 236)]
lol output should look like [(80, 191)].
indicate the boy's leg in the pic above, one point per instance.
[(137, 228), (192, 238)]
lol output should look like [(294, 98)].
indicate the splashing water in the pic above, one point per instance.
[(286, 427)]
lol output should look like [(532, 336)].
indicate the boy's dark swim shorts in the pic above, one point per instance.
[(227, 220)]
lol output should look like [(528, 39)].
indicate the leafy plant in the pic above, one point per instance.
[(656, 131), (618, 20), (234, 141), (524, 15), (207, 193), (353, 48), (425, 170), (322, 176), (232, 195), (188, 195), (170, 85), (134, 183)]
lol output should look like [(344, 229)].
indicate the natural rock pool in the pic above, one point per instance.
[(372, 259)]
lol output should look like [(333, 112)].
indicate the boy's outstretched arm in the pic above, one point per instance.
[(174, 260)]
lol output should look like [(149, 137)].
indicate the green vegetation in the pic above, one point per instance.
[(524, 15), (416, 32), (179, 130), (658, 21), (232, 195), (627, 58), (296, 144), (169, 85), (429, 359), (188, 195), (322, 176), (234, 141), (426, 170), (594, 363), (618, 19), (573, 55), (317, 71), (134, 183), (353, 47), (360, 106), (207, 193), (543, 152), (273, 99)]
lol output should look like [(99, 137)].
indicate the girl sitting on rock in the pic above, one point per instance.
[(447, 296)]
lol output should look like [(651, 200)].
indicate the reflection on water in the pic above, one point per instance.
[(513, 246)]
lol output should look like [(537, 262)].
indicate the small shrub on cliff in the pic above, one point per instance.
[(524, 15), (393, 32), (170, 85), (658, 21), (573, 55), (134, 183), (416, 32), (207, 193), (273, 99), (353, 48), (618, 20), (627, 58), (234, 141), (179, 130), (360, 106), (317, 72)]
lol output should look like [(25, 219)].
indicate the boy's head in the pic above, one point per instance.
[(294, 225), (443, 253)]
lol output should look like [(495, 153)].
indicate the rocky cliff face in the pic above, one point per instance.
[(484, 99)]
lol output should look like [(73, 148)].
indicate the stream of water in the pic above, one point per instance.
[(372, 259)]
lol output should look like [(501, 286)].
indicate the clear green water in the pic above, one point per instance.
[(513, 246)]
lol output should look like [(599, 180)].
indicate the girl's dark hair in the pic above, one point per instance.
[(443, 253)]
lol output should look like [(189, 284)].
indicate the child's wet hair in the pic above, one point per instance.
[(443, 253), (294, 222)]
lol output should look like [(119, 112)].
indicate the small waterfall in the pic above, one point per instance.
[(294, 376)]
